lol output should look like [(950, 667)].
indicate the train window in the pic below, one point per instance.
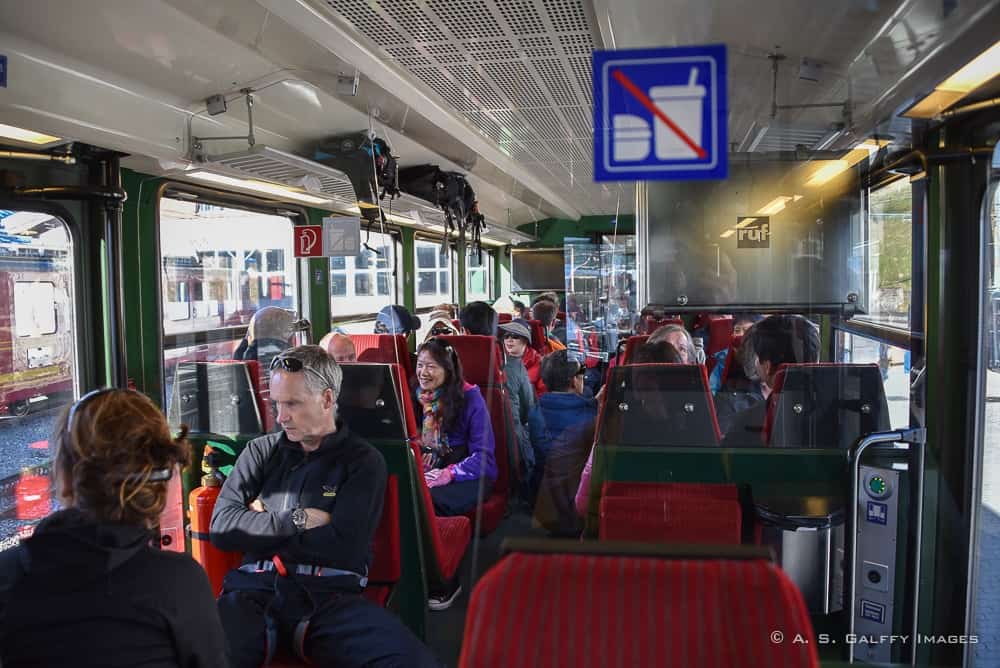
[(888, 244), (479, 275), (434, 264), (37, 362), (219, 265), (363, 284), (34, 308), (894, 364)]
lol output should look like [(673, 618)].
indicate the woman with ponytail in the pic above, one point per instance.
[(90, 587)]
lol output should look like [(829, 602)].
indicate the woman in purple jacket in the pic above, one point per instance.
[(456, 437)]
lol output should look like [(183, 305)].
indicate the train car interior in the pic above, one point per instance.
[(721, 280)]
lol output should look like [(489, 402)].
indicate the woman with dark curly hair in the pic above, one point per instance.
[(89, 588)]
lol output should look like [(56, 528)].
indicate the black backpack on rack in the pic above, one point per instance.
[(368, 163)]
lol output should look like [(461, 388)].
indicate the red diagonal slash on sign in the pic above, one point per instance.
[(656, 111)]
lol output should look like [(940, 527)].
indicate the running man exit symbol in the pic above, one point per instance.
[(660, 114)]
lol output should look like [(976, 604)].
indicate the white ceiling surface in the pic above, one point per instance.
[(518, 70), (185, 51), (506, 83)]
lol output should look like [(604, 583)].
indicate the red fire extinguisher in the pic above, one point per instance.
[(202, 501)]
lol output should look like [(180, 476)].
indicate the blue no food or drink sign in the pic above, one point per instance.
[(3, 71), (660, 114)]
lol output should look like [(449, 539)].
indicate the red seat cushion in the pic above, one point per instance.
[(700, 521), (387, 567), (454, 534), (571, 610)]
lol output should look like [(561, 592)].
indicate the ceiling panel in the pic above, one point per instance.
[(518, 70)]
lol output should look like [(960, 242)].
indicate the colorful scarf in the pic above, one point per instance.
[(432, 440)]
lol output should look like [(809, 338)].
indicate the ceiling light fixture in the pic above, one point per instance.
[(978, 71), (27, 136)]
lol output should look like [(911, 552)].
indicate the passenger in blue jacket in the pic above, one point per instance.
[(562, 431), (456, 436)]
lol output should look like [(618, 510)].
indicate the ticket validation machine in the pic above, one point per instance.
[(880, 573), (875, 566)]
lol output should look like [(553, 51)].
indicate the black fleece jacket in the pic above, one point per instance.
[(82, 593), (345, 477)]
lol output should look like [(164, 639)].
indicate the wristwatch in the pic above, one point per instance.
[(299, 519)]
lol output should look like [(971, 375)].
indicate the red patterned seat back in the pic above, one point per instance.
[(385, 349), (480, 356), (632, 344), (534, 610), (678, 519)]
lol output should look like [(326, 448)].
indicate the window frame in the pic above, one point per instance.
[(350, 272), (431, 300), (488, 267)]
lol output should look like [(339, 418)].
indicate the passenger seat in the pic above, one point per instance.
[(543, 610)]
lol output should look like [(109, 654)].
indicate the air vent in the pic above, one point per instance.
[(270, 164), (518, 70)]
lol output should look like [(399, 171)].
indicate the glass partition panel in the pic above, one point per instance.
[(368, 402), (776, 232), (659, 405), (214, 398), (894, 367)]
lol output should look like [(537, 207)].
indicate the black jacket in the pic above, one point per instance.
[(345, 477), (79, 593), (747, 428)]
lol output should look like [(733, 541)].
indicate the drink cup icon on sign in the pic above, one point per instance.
[(678, 139)]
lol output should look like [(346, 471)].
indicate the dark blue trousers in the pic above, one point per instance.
[(458, 498), (345, 629)]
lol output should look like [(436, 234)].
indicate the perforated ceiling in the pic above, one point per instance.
[(518, 70)]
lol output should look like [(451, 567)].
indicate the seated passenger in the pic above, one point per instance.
[(478, 318), (341, 348), (776, 340), (91, 586), (562, 433), (456, 436), (303, 505), (659, 352), (517, 346), (517, 353), (738, 393), (679, 338), (545, 312), (742, 322), (440, 326), (521, 311), (395, 319)]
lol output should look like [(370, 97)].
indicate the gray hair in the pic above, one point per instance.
[(663, 332), (321, 370)]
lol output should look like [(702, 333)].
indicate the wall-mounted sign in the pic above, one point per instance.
[(660, 114), (753, 232), (338, 236), (3, 71)]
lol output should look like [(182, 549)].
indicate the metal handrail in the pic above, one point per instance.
[(901, 439)]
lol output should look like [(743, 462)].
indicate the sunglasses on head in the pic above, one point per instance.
[(294, 365)]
